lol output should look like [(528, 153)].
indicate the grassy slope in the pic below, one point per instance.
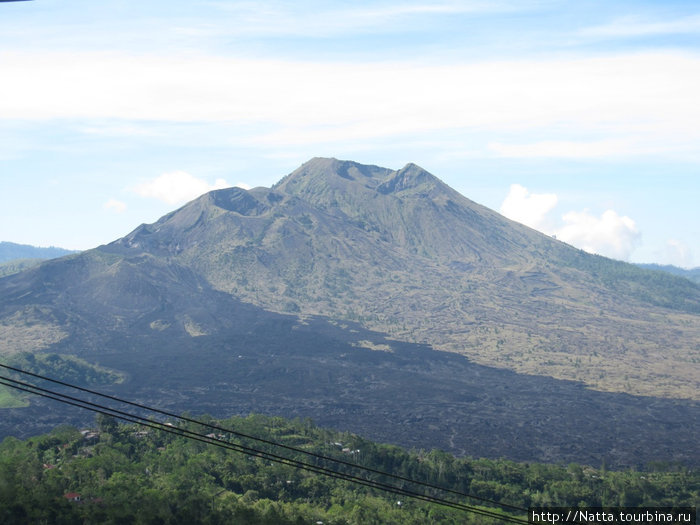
[(60, 367), (9, 398)]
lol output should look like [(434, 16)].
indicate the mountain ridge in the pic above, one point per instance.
[(692, 274), (11, 250), (328, 298), (405, 254), (424, 261)]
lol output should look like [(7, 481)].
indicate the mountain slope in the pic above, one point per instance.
[(17, 257), (693, 273), (316, 297), (405, 254)]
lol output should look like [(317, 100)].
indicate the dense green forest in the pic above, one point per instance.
[(674, 290), (124, 473)]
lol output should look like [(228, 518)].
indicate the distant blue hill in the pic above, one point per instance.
[(693, 274), (10, 251)]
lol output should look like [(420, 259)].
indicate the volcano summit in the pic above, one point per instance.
[(346, 289)]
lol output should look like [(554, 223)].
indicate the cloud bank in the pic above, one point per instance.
[(630, 102), (610, 234), (527, 208), (177, 187)]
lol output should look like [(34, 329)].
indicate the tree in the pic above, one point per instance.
[(106, 423)]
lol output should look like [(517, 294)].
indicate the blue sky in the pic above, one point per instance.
[(580, 119)]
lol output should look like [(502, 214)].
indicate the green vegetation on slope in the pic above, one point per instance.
[(67, 368), (642, 283), (64, 367), (17, 265), (10, 398), (125, 474), (693, 273)]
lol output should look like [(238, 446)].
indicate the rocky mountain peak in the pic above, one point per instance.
[(410, 177), (239, 201), (320, 175)]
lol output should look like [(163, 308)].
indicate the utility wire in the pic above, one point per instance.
[(269, 442), (95, 407), (247, 450)]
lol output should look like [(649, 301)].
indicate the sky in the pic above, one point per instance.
[(579, 119)]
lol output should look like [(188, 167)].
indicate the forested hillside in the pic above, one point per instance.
[(127, 474)]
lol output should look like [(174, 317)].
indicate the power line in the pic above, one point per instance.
[(95, 407), (268, 442), (248, 450)]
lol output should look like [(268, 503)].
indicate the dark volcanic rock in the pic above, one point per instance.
[(373, 262)]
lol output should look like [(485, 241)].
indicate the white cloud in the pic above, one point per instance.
[(639, 99), (528, 208), (243, 186), (115, 206), (177, 187), (610, 234)]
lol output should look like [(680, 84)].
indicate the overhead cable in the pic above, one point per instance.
[(268, 442), (127, 416)]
